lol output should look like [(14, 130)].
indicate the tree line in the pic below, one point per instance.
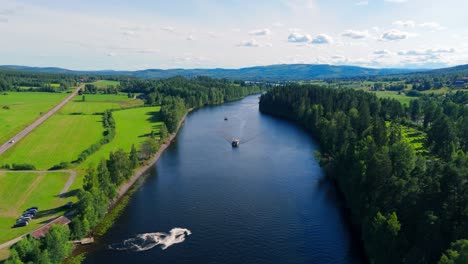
[(408, 207)]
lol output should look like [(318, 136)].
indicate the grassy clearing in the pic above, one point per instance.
[(105, 83), (61, 138), (394, 95), (19, 109), (20, 190), (132, 126), (415, 138)]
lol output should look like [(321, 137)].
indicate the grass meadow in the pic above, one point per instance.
[(405, 100), (19, 109), (21, 190), (66, 134), (105, 83)]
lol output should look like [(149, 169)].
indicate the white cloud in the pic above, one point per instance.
[(362, 3), (297, 37), (405, 23), (111, 54), (355, 34), (427, 52), (382, 52), (394, 35), (278, 24), (322, 39), (249, 43), (128, 33), (396, 1), (168, 29), (190, 38), (260, 32), (432, 26)]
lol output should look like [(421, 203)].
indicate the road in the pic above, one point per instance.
[(14, 140)]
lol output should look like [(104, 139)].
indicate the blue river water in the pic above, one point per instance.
[(266, 201)]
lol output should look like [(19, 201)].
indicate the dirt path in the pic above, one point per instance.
[(12, 141), (69, 183)]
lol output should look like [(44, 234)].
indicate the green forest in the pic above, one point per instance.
[(408, 206)]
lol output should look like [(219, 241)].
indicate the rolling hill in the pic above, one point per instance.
[(281, 72)]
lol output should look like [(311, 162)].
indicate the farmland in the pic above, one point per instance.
[(19, 109), (20, 190), (65, 135), (402, 98), (105, 83)]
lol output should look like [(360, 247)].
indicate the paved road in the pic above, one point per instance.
[(36, 123)]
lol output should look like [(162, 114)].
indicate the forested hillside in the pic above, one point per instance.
[(408, 203)]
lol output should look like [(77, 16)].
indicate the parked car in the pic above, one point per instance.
[(25, 218), (20, 224), (30, 212), (22, 220), (31, 208), (28, 215)]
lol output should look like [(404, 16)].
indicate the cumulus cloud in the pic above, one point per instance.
[(260, 32), (394, 35), (322, 39), (249, 43), (297, 37), (362, 3), (355, 34), (405, 23), (432, 26)]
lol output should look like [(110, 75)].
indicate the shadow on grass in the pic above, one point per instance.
[(50, 212), (69, 194), (154, 117)]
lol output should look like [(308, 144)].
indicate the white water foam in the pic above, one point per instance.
[(148, 241)]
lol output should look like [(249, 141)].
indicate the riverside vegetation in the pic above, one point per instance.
[(100, 184), (409, 206)]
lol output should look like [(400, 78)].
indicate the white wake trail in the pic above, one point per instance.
[(148, 241)]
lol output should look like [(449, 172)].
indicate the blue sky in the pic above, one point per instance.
[(140, 34)]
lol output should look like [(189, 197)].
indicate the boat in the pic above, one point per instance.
[(235, 143), (225, 118)]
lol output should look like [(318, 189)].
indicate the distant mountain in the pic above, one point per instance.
[(281, 72)]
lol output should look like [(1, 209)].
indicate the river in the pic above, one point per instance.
[(266, 201)]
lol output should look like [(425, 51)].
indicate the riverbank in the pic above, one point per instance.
[(148, 163), (125, 191)]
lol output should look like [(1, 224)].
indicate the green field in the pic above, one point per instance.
[(60, 139), (66, 134), (132, 126), (20, 190), (394, 95), (105, 83), (24, 108)]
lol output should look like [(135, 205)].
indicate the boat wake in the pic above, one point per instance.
[(148, 241)]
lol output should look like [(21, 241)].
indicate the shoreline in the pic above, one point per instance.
[(141, 170)]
